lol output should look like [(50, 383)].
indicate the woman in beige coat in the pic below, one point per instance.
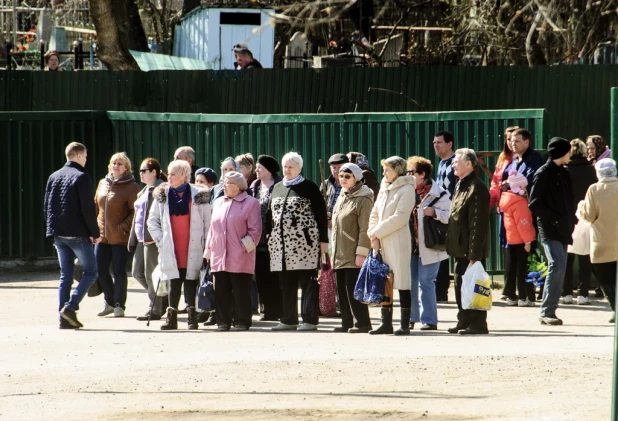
[(599, 208), (390, 234)]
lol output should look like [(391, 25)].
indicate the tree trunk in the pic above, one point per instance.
[(119, 28), (189, 5)]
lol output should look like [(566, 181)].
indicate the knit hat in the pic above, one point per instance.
[(606, 168), (558, 147), (269, 163), (354, 169), (209, 173), (236, 178), (338, 158), (517, 181)]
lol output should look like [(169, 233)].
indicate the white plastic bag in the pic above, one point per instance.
[(581, 239), (476, 289), (161, 286)]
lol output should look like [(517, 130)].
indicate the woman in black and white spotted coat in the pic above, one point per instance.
[(298, 237)]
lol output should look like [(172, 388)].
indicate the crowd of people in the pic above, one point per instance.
[(263, 229)]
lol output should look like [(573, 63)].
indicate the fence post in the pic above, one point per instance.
[(614, 133), (9, 47), (42, 50)]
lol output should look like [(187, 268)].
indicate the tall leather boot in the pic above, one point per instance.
[(405, 322), (386, 328), (171, 319), (192, 318)]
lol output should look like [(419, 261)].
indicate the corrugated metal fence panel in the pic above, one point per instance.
[(317, 137), (576, 97), (32, 146)]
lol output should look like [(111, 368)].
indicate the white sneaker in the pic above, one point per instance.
[(307, 326), (283, 326), (511, 303), (107, 309), (525, 303), (118, 311), (583, 301), (503, 297), (567, 299)]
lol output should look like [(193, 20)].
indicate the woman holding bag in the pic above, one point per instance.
[(389, 233), (351, 246), (432, 202)]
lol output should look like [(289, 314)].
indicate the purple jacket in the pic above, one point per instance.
[(235, 230)]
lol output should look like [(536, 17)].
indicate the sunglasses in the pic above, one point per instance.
[(143, 170), (346, 176)]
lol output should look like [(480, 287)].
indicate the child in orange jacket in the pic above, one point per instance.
[(520, 233)]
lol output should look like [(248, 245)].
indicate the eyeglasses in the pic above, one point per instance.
[(346, 176), (143, 170), (411, 172)]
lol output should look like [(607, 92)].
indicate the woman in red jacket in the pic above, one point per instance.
[(520, 233)]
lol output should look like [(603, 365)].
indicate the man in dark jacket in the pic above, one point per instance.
[(187, 153), (551, 200), (333, 188), (467, 238), (244, 57), (72, 223)]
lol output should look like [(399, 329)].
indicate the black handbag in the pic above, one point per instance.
[(434, 230)]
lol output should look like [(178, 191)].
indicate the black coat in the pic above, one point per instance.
[(583, 175), (69, 203), (551, 201)]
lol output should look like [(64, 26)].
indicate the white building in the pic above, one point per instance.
[(209, 34)]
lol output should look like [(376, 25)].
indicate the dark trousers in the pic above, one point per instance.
[(517, 272), (114, 291), (289, 282), (606, 274), (475, 319), (351, 308), (268, 287), (190, 289), (233, 290), (585, 271), (443, 280)]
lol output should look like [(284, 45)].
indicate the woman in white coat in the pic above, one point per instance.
[(178, 222), (433, 202), (390, 234)]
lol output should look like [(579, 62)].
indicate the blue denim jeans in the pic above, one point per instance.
[(114, 291), (556, 253), (68, 249), (424, 276)]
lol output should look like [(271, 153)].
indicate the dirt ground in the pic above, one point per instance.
[(120, 369)]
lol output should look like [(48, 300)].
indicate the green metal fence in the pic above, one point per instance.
[(41, 137), (575, 97)]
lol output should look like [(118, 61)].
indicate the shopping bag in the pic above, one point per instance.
[(161, 285), (387, 298), (206, 290), (327, 295), (581, 239), (476, 289), (372, 280), (78, 273)]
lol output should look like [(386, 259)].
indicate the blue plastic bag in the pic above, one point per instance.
[(369, 288), (206, 290)]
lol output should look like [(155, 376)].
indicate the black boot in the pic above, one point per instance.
[(610, 293), (192, 318), (171, 320), (386, 328), (405, 323)]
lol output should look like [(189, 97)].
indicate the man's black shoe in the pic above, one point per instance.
[(66, 325), (70, 316), (470, 331)]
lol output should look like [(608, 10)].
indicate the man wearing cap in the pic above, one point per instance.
[(244, 57), (551, 201), (333, 188)]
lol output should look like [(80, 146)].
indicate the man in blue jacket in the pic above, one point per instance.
[(72, 223)]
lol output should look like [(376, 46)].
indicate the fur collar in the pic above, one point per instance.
[(200, 196)]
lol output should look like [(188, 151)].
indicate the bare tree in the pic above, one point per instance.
[(119, 29)]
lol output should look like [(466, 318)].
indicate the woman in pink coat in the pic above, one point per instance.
[(235, 230)]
